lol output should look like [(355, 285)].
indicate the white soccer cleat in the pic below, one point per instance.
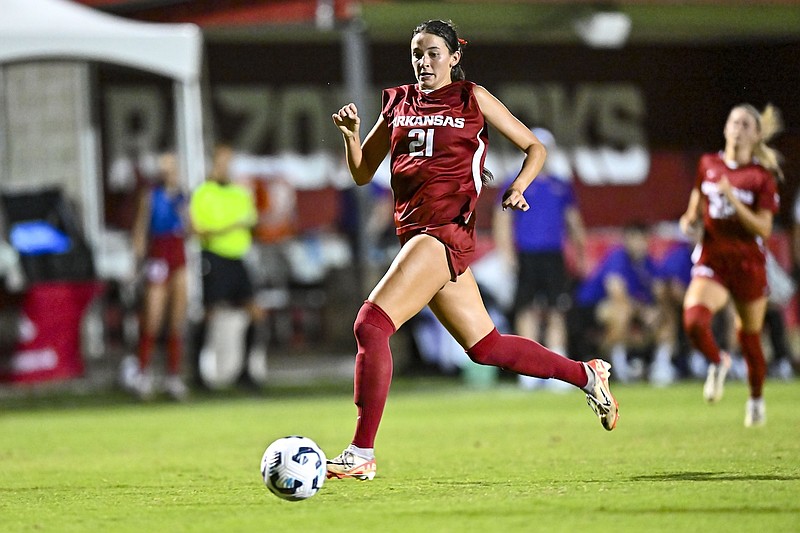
[(348, 464), (176, 388), (755, 412), (661, 373), (144, 386), (600, 399), (714, 386)]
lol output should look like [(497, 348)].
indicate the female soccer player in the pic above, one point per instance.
[(735, 196), (436, 133), (158, 241)]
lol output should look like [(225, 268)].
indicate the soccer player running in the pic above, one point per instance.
[(733, 202), (436, 133)]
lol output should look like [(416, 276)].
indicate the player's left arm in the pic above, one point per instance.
[(756, 221), (500, 118)]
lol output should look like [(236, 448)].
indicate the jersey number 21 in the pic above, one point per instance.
[(421, 142)]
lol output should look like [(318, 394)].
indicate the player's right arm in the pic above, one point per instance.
[(690, 219), (197, 225), (364, 158)]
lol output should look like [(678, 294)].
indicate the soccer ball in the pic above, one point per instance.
[(294, 468)]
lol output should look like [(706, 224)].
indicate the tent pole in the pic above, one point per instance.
[(191, 156), (89, 157), (356, 77), (189, 134)]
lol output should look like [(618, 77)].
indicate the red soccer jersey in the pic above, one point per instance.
[(753, 185), (438, 148)]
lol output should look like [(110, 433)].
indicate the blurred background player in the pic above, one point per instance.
[(734, 199), (158, 236), (533, 242), (223, 214), (629, 302)]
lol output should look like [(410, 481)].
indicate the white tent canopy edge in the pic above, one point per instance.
[(33, 30)]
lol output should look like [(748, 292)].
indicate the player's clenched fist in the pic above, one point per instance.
[(347, 120), (513, 199)]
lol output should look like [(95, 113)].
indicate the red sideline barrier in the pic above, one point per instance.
[(48, 346)]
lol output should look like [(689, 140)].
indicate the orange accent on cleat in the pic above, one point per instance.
[(348, 464), (600, 399)]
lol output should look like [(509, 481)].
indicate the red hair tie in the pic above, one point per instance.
[(462, 42)]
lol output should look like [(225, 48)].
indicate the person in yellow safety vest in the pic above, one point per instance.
[(223, 215)]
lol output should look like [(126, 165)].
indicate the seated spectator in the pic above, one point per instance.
[(676, 273), (629, 301)]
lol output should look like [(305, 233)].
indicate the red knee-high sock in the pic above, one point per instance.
[(756, 364), (697, 324), (174, 354), (145, 351), (373, 373), (527, 357)]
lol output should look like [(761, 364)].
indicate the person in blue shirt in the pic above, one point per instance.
[(628, 294), (534, 243)]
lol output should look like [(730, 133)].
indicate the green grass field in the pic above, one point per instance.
[(449, 459)]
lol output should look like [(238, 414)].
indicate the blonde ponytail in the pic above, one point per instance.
[(770, 124)]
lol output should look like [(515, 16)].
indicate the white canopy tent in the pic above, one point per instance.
[(33, 30)]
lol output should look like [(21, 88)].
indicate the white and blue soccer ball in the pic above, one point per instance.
[(294, 468)]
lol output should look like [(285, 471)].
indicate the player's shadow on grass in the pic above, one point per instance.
[(714, 476)]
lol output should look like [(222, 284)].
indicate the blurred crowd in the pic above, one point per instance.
[(613, 292)]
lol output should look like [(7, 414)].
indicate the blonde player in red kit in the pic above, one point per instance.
[(436, 134), (733, 201)]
